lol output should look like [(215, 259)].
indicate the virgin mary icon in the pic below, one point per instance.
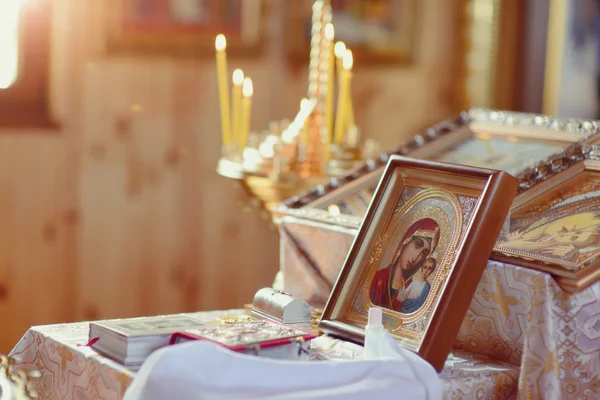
[(403, 285)]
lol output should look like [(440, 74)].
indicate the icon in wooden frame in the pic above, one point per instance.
[(420, 253)]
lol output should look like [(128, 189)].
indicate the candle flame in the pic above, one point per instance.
[(238, 76), (339, 49), (220, 42), (348, 60), (329, 32), (247, 89)]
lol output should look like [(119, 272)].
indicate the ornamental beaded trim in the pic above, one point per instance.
[(530, 176), (555, 164)]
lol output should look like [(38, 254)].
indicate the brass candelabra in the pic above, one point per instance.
[(293, 156)]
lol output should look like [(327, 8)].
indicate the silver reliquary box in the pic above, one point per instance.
[(278, 306)]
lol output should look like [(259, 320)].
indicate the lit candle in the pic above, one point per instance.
[(247, 92), (329, 35), (350, 113), (222, 76), (350, 120), (236, 112), (339, 51), (344, 90)]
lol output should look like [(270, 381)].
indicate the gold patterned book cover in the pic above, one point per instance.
[(258, 337)]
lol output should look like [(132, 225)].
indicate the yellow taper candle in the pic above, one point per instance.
[(339, 50), (350, 116), (222, 77), (236, 110), (329, 35), (247, 92), (350, 113), (342, 105)]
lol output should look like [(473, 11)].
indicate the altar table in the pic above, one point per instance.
[(518, 316), (71, 370)]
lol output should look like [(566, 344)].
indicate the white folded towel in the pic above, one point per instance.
[(203, 370)]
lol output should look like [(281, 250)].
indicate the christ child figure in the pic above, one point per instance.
[(415, 291)]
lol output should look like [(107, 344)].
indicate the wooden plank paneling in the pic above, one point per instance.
[(38, 204), (6, 243), (121, 213)]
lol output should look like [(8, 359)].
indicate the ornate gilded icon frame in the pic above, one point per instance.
[(510, 126), (450, 207), (556, 193)]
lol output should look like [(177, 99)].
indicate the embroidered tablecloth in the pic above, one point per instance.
[(72, 371), (518, 316)]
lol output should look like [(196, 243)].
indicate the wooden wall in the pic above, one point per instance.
[(120, 213)]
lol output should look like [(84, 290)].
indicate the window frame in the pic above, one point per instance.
[(26, 103)]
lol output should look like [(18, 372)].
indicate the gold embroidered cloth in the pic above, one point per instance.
[(69, 369), (518, 316), (72, 371)]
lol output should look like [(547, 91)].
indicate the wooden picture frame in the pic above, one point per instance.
[(508, 127), (184, 28), (378, 32), (555, 220), (425, 217)]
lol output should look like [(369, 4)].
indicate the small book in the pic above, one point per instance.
[(257, 337), (130, 341)]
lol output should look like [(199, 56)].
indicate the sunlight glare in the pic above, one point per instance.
[(9, 37)]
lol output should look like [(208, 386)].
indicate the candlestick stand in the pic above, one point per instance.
[(287, 160)]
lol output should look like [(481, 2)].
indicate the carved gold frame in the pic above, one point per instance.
[(538, 182)]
